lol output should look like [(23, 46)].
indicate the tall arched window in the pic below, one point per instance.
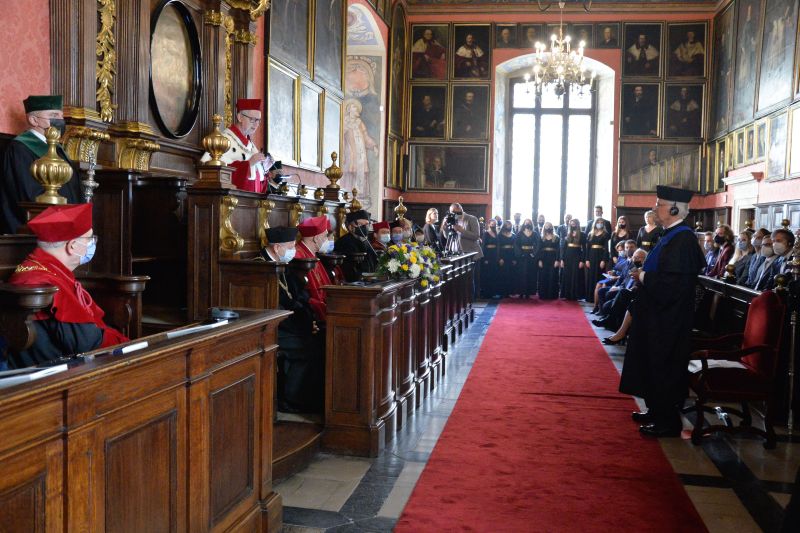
[(551, 164)]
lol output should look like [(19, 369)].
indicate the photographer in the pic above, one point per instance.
[(467, 231)]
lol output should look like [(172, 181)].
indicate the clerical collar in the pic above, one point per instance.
[(38, 135)]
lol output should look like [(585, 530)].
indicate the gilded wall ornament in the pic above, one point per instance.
[(106, 58), (229, 239)]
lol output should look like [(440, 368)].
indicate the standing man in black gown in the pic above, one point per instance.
[(657, 357)]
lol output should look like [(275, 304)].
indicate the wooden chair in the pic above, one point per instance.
[(756, 351)]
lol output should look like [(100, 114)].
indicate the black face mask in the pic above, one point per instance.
[(527, 226), (59, 124), (361, 231), (719, 239), (637, 264), (622, 225)]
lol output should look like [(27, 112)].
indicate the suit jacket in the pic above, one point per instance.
[(470, 237)]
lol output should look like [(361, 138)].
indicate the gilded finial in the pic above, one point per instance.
[(785, 223), (780, 282), (355, 205), (748, 224), (730, 273), (400, 210), (319, 194), (333, 172), (698, 226), (51, 171), (302, 191), (283, 189), (216, 143)]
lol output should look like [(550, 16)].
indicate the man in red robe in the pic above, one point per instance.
[(250, 164), (74, 323), (315, 239)]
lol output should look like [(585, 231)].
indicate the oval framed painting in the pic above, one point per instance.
[(175, 68)]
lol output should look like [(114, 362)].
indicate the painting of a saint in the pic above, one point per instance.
[(747, 50), (358, 144)]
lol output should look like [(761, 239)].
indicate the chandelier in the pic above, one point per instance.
[(561, 65)]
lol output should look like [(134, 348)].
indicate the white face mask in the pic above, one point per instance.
[(599, 225), (766, 250), (327, 247), (779, 248), (288, 255), (756, 242), (385, 238)]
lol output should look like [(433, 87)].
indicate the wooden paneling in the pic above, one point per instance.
[(346, 360)]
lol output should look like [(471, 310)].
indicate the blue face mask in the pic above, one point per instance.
[(90, 249), (288, 255), (327, 247), (397, 238), (742, 245), (385, 238)]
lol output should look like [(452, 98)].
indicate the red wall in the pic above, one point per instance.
[(24, 60)]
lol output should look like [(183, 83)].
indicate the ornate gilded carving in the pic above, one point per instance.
[(216, 143), (265, 207), (400, 210), (319, 194), (245, 37), (216, 18), (333, 172), (51, 171), (294, 214), (302, 191), (255, 7), (322, 210), (229, 239), (106, 58), (135, 153), (81, 143), (341, 215), (355, 204)]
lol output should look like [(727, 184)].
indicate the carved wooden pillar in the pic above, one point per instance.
[(244, 42), (214, 65), (73, 32)]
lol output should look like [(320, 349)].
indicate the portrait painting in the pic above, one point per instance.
[(730, 145), (761, 140), (776, 150), (529, 34), (640, 105), (332, 130), (749, 144), (711, 167), (429, 51), (397, 69), (328, 43), (428, 108), (643, 166), (777, 53), (394, 161), (461, 168), (361, 126), (472, 57), (505, 36), (794, 150), (280, 122), (582, 32), (642, 50), (723, 72), (748, 44), (470, 116), (684, 111), (309, 125), (740, 153), (606, 35), (288, 33), (687, 49), (722, 163), (174, 70)]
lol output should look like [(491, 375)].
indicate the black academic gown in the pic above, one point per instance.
[(17, 184), (527, 250), (350, 244), (658, 348), (548, 272), (507, 267), (596, 252), (647, 239), (615, 240), (489, 267), (573, 278)]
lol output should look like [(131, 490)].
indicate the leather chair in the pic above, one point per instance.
[(756, 349)]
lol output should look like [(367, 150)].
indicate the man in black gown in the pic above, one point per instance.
[(16, 182), (657, 357), (356, 242), (301, 340)]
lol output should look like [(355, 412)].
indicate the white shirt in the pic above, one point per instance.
[(39, 136)]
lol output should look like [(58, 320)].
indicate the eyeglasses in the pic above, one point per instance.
[(251, 119), (92, 238)]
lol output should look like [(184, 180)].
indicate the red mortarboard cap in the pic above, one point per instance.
[(248, 104), (377, 226), (62, 222), (311, 227)]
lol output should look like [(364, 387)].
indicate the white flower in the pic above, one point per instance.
[(393, 265), (415, 270)]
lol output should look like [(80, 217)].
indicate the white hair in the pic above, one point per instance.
[(683, 209), (58, 244)]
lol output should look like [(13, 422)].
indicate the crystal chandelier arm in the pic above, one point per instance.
[(544, 8)]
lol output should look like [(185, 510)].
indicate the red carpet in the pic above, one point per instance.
[(540, 440)]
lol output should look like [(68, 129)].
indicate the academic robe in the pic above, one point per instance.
[(548, 272), (596, 252), (659, 340), (317, 278), (18, 185), (573, 279), (246, 177), (73, 324), (489, 267), (647, 239), (350, 244), (527, 250), (507, 269)]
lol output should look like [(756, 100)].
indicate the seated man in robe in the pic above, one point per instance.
[(381, 236), (398, 232), (74, 323), (315, 239), (301, 345), (18, 184), (250, 172), (356, 242)]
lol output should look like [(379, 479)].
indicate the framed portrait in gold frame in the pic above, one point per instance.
[(739, 136), (761, 140), (794, 142), (750, 144), (776, 147)]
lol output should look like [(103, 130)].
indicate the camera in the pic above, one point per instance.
[(450, 220)]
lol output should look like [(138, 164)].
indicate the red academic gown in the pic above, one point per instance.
[(317, 278), (241, 175), (71, 303)]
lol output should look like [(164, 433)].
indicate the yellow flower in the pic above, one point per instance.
[(394, 248), (436, 279), (413, 258), (404, 267), (424, 283)]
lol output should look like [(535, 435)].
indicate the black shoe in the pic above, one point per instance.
[(660, 430), (608, 342), (600, 322), (595, 311), (643, 417)]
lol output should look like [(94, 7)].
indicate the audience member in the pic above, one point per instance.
[(430, 230), (782, 244), (723, 239), (649, 233), (711, 252), (381, 236), (490, 260), (742, 256), (621, 233), (765, 276), (758, 258)]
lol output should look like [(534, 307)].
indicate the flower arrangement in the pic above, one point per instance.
[(410, 261)]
